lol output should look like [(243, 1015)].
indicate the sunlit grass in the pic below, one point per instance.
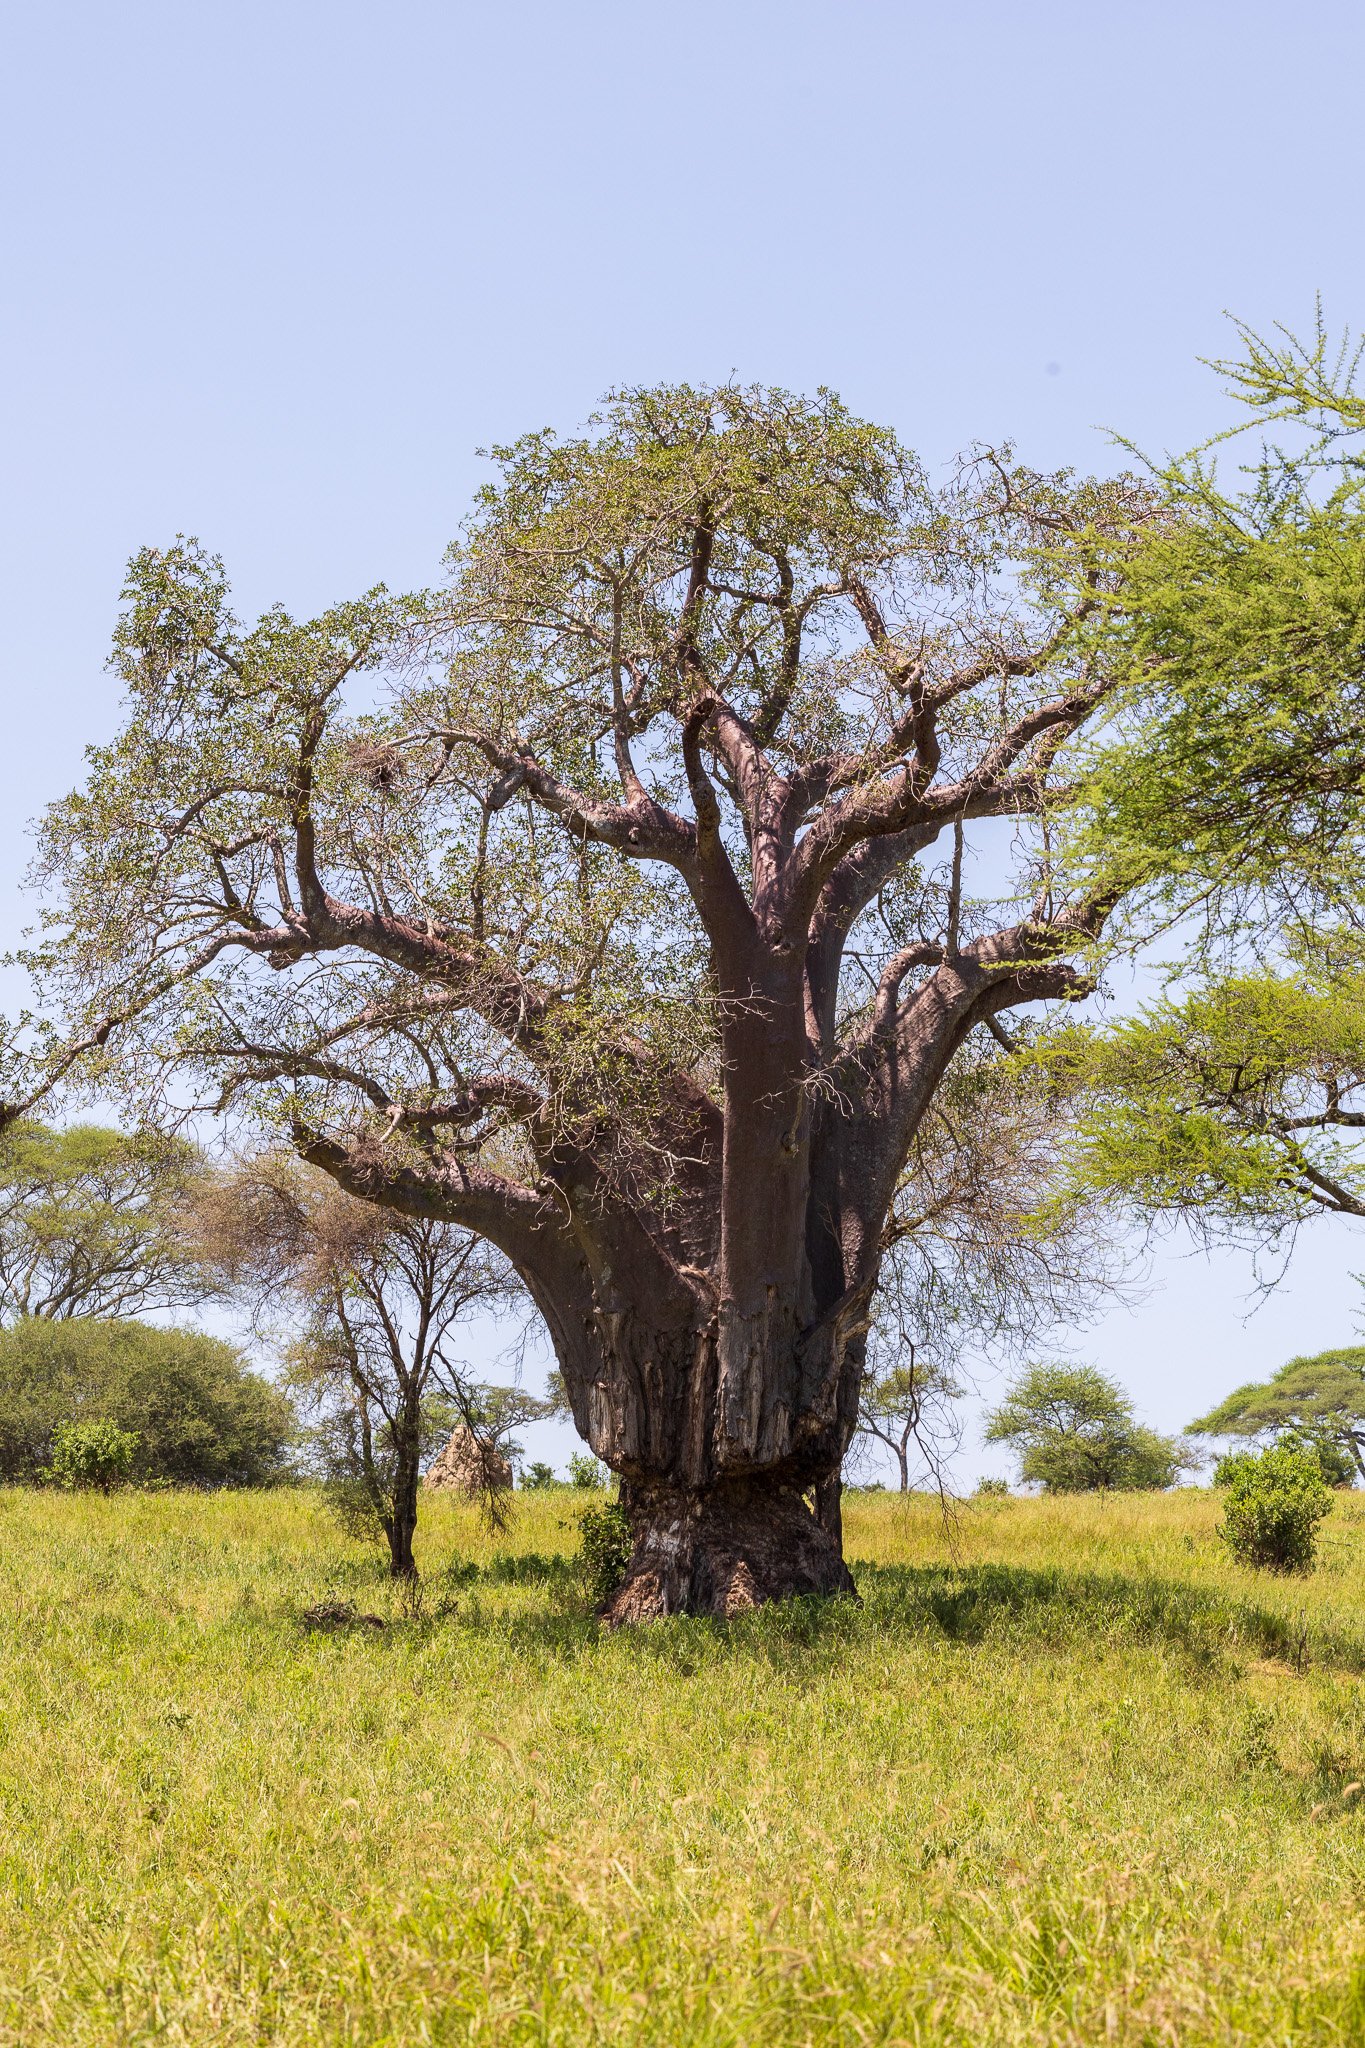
[(1066, 1775)]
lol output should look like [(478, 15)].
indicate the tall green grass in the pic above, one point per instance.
[(1066, 1775)]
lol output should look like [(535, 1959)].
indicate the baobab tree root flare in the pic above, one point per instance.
[(722, 1552)]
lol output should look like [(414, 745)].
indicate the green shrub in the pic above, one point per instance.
[(92, 1454), (587, 1471), (1332, 1460), (994, 1489), (1274, 1502), (604, 1547), (200, 1415), (537, 1476)]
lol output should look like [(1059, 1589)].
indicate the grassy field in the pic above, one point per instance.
[(1071, 1777)]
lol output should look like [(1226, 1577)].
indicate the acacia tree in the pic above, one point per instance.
[(91, 1222), (1234, 783), (632, 935), (381, 1296), (492, 1412), (1233, 768), (1318, 1401), (1074, 1432)]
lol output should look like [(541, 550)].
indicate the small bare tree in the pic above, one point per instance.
[(380, 1296), (910, 1405), (977, 1256)]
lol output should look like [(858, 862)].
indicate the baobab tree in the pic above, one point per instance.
[(633, 931)]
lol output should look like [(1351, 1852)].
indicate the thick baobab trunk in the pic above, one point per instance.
[(722, 1550), (763, 1413), (712, 1354), (719, 1498)]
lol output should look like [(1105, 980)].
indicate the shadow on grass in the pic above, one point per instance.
[(968, 1604), (1009, 1605)]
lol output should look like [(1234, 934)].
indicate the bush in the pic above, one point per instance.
[(587, 1471), (1334, 1463), (994, 1489), (90, 1454), (1129, 1459), (200, 1416), (604, 1547), (1275, 1500), (537, 1476)]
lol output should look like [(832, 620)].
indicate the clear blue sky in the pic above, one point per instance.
[(273, 273)]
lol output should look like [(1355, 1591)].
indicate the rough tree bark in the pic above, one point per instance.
[(713, 1353), (400, 1518)]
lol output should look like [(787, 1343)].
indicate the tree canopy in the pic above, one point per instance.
[(1318, 1399), (1230, 773), (1236, 1105), (1226, 797), (91, 1221), (200, 1415), (761, 597), (1074, 1431)]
